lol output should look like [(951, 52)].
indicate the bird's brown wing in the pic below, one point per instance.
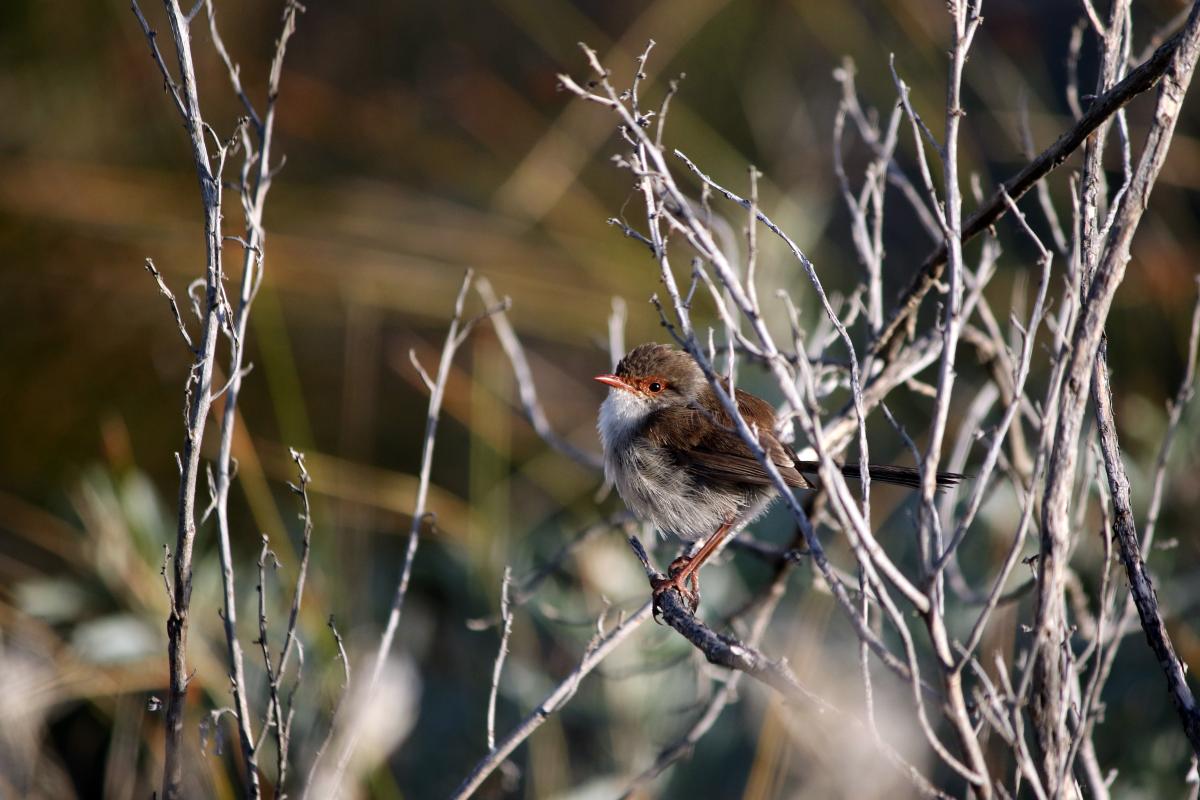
[(704, 441)]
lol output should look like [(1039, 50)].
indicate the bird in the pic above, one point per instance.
[(675, 458)]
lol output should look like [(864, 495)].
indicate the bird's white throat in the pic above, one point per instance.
[(621, 415)]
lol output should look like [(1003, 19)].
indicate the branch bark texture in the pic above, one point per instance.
[(1051, 700)]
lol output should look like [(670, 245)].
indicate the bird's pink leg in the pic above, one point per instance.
[(685, 570)]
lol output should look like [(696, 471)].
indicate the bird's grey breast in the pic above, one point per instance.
[(650, 479)]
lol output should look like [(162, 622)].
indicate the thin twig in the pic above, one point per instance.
[(502, 651), (598, 649), (337, 709), (166, 292), (290, 642), (450, 347), (526, 388)]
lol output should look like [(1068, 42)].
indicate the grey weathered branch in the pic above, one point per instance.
[(1050, 672), (197, 401), (506, 618), (526, 389), (254, 184), (598, 650)]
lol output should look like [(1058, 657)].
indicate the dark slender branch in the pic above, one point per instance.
[(166, 292), (763, 604), (1136, 82), (1141, 589), (275, 712), (767, 601), (264, 645), (720, 649)]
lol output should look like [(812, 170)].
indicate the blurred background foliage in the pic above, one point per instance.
[(421, 139)]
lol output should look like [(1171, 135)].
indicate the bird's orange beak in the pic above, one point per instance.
[(614, 382)]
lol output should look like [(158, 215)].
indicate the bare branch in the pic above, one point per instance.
[(599, 649), (1109, 271), (233, 69), (1141, 588), (722, 650), (166, 292), (197, 402), (526, 388), (168, 82), (264, 645), (425, 379), (1136, 82), (449, 349), (498, 668), (345, 691), (275, 712)]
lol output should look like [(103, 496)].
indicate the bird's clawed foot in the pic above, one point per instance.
[(679, 578)]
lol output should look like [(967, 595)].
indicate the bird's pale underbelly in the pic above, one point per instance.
[(655, 488)]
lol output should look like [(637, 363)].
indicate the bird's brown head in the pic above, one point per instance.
[(658, 374)]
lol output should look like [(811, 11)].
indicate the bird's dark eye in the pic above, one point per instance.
[(655, 387)]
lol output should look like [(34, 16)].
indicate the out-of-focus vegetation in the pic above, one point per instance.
[(423, 138)]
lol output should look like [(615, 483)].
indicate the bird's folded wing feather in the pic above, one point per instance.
[(705, 442)]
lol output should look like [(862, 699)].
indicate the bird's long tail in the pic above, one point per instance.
[(886, 473)]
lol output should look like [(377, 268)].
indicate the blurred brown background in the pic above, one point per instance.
[(423, 139)]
